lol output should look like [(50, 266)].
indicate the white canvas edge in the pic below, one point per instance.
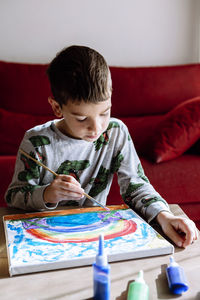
[(85, 261), (8, 252)]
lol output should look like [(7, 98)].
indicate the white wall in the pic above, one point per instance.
[(127, 33)]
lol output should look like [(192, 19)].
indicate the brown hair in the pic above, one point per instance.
[(79, 73)]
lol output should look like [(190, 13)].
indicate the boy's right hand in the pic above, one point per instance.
[(63, 187)]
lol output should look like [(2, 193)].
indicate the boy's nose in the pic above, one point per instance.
[(94, 127)]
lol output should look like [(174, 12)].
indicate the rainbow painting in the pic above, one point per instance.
[(69, 238)]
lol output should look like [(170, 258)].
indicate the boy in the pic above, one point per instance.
[(86, 147)]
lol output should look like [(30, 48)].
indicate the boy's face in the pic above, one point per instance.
[(86, 121)]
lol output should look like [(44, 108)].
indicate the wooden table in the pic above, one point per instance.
[(77, 284)]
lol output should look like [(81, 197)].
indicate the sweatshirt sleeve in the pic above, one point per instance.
[(26, 191), (135, 188)]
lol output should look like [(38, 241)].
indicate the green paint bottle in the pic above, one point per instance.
[(138, 290)]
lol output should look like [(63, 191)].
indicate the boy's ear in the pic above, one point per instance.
[(55, 107)]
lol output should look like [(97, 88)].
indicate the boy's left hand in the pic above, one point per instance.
[(182, 231)]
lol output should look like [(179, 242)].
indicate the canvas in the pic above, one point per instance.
[(68, 238)]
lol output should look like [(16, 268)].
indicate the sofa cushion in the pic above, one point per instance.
[(177, 132), (13, 126), (24, 88), (141, 130), (7, 164), (176, 180), (142, 91)]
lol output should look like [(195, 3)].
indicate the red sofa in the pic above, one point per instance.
[(144, 98)]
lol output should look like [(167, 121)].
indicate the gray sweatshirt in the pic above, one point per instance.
[(93, 164)]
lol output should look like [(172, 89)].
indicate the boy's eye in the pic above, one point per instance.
[(105, 114), (81, 120)]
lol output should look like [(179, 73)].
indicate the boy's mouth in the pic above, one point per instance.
[(92, 137)]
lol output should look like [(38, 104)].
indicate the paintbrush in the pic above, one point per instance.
[(55, 174)]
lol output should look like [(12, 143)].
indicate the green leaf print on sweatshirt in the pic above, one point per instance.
[(100, 182), (104, 139), (32, 170), (127, 196), (151, 200), (73, 167), (112, 124), (39, 140), (141, 174), (116, 162), (24, 190)]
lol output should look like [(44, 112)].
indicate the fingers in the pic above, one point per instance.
[(174, 236), (63, 187), (68, 178), (190, 231), (70, 184), (182, 232)]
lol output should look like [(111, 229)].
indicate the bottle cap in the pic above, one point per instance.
[(176, 278)]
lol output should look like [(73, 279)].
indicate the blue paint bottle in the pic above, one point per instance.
[(176, 278), (101, 274)]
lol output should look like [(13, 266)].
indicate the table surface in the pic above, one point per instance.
[(77, 283)]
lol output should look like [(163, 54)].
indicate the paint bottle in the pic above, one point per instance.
[(138, 290), (176, 278), (101, 274)]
